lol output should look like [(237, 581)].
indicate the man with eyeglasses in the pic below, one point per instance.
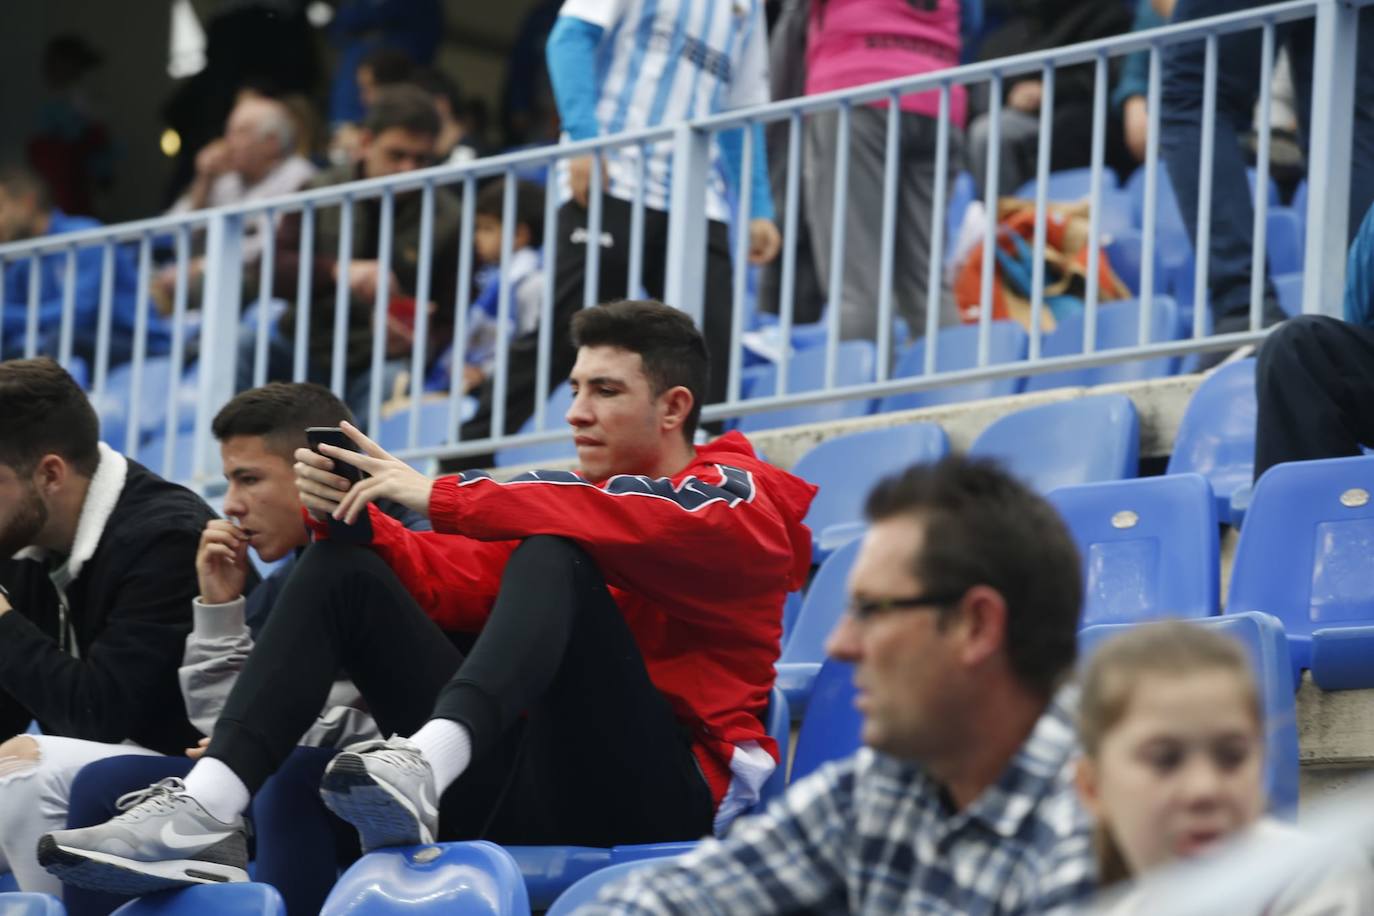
[(961, 628)]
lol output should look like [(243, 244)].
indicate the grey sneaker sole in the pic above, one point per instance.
[(381, 815), (100, 871)]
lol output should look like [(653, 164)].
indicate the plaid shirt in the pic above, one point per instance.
[(872, 834)]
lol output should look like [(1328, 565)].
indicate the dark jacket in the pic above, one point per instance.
[(130, 612)]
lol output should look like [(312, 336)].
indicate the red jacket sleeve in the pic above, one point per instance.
[(694, 547), (453, 578)]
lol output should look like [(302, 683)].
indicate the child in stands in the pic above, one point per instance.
[(1173, 740)]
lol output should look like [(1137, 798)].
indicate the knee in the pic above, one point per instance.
[(337, 564), (1294, 343), (19, 757), (547, 550)]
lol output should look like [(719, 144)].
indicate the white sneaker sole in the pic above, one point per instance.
[(383, 816), (103, 871)]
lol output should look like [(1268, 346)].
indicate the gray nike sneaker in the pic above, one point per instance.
[(386, 790), (164, 839)]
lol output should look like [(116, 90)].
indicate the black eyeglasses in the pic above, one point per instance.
[(863, 611)]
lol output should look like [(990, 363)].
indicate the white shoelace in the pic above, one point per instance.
[(159, 797)]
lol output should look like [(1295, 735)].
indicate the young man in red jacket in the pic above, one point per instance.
[(627, 622)]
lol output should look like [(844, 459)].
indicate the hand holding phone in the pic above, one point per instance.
[(360, 532)]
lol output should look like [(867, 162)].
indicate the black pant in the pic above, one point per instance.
[(1315, 385), (598, 757), (612, 284)]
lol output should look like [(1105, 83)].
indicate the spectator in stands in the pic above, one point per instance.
[(1130, 95), (1039, 25), (255, 160), (258, 432), (852, 42), (528, 113), (1229, 269), (26, 212), (636, 636), (96, 581), (360, 27), (385, 66), (962, 629), (709, 64), (453, 145), (1173, 766), (397, 137)]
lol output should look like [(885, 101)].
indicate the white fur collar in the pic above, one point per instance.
[(106, 486)]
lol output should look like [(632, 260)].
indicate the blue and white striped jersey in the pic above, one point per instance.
[(667, 61)]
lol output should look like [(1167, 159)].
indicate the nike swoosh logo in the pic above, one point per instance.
[(175, 840)]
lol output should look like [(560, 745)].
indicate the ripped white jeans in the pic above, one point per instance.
[(34, 797)]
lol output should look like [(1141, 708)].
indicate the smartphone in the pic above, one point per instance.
[(360, 532)]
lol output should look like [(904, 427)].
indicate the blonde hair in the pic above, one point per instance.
[(1116, 668)]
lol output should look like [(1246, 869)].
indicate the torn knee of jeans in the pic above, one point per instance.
[(19, 756)]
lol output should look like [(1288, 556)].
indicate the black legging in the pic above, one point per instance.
[(598, 758)]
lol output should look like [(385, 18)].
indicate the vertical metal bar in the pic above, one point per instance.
[(379, 311), (503, 316), (994, 159), (267, 263), (835, 294), (1203, 248), (592, 278), (1099, 143), (133, 431), (102, 332), (304, 277), (788, 289), (343, 296), (1261, 227), (635, 281), (934, 281), (741, 265), (1334, 51), (461, 302), (1042, 193), (691, 170), (223, 294), (420, 352), (551, 240), (31, 324), (64, 344), (891, 153), (1148, 223), (179, 296)]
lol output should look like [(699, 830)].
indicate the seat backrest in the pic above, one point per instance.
[(956, 348), (1283, 241), (560, 450), (393, 433), (778, 722), (1217, 435), (1288, 289), (821, 609), (1068, 185), (476, 878), (855, 361), (13, 903), (1304, 552), (1118, 326), (249, 899), (1083, 440), (586, 889), (846, 467), (1148, 546), (830, 730), (1126, 252), (1263, 638)]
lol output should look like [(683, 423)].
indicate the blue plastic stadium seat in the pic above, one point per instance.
[(1263, 638), (846, 468), (8, 884), (1217, 436), (1068, 185), (1304, 556), (1283, 241), (13, 903), (821, 610), (561, 450), (152, 455), (393, 434), (1126, 252), (478, 879), (1288, 288), (791, 608), (247, 899), (956, 349), (831, 728), (854, 365), (1149, 547), (1068, 442), (586, 890), (1118, 326)]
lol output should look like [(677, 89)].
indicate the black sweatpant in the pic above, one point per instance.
[(1315, 386), (612, 283), (571, 741)]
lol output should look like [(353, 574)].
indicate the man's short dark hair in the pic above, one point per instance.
[(406, 107), (982, 526), (389, 66), (279, 412), (19, 180), (529, 205), (669, 344), (44, 412)]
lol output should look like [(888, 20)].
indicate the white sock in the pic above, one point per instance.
[(448, 748), (218, 789)]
